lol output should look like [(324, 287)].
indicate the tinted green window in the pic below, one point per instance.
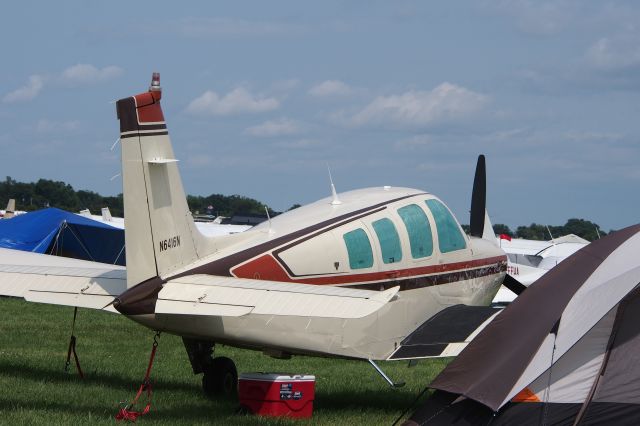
[(389, 240), (449, 236), (419, 230), (359, 249)]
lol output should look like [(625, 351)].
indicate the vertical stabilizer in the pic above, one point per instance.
[(106, 214), (160, 235), (11, 209)]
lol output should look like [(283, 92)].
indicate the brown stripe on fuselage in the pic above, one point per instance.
[(437, 279)]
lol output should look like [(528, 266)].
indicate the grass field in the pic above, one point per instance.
[(114, 351)]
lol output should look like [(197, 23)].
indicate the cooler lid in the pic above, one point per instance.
[(277, 377)]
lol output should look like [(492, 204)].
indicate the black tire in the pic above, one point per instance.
[(220, 379)]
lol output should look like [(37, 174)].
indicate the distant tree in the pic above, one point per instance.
[(293, 207), (533, 232), (465, 228), (500, 228), (56, 194), (227, 205), (583, 228), (580, 227)]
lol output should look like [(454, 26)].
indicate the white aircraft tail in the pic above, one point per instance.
[(11, 208), (106, 214), (160, 234)]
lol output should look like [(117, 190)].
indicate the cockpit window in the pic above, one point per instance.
[(389, 240), (419, 230), (449, 236), (359, 249)]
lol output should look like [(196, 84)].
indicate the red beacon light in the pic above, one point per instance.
[(155, 82)]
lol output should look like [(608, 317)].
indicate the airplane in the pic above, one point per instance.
[(373, 274), (211, 229), (529, 260)]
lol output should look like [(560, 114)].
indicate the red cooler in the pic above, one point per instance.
[(277, 394)]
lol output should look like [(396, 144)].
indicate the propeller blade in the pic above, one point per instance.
[(478, 199)]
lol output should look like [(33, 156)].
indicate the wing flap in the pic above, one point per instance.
[(208, 295), (177, 307)]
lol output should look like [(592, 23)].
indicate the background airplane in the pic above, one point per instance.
[(375, 274), (528, 260)]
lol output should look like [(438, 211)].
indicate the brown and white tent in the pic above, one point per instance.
[(567, 351)]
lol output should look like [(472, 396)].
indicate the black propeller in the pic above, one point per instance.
[(478, 199)]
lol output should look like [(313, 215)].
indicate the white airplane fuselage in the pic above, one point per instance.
[(307, 246)]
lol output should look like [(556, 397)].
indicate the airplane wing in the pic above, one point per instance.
[(446, 333), (227, 296), (59, 280)]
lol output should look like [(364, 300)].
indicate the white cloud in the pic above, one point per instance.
[(280, 127), (330, 88), (238, 101), (621, 52), (79, 74), (26, 92), (444, 103), (89, 74)]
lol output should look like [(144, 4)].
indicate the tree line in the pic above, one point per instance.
[(48, 193), (582, 228)]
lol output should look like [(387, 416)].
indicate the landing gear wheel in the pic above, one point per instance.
[(221, 378)]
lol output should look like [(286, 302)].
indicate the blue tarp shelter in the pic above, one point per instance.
[(57, 232)]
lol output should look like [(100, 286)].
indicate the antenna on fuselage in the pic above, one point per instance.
[(336, 201), (268, 218)]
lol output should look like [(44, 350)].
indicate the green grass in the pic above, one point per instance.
[(114, 352)]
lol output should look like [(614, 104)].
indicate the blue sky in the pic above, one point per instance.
[(260, 96)]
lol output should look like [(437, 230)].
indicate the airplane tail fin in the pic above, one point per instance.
[(11, 208), (160, 234), (106, 214), (479, 223)]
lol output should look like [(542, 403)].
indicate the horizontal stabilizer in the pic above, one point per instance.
[(58, 280), (446, 333), (224, 296)]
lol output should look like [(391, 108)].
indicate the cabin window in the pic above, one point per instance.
[(419, 230), (359, 249), (449, 236), (389, 240)]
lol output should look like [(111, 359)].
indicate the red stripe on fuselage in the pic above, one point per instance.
[(267, 268)]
